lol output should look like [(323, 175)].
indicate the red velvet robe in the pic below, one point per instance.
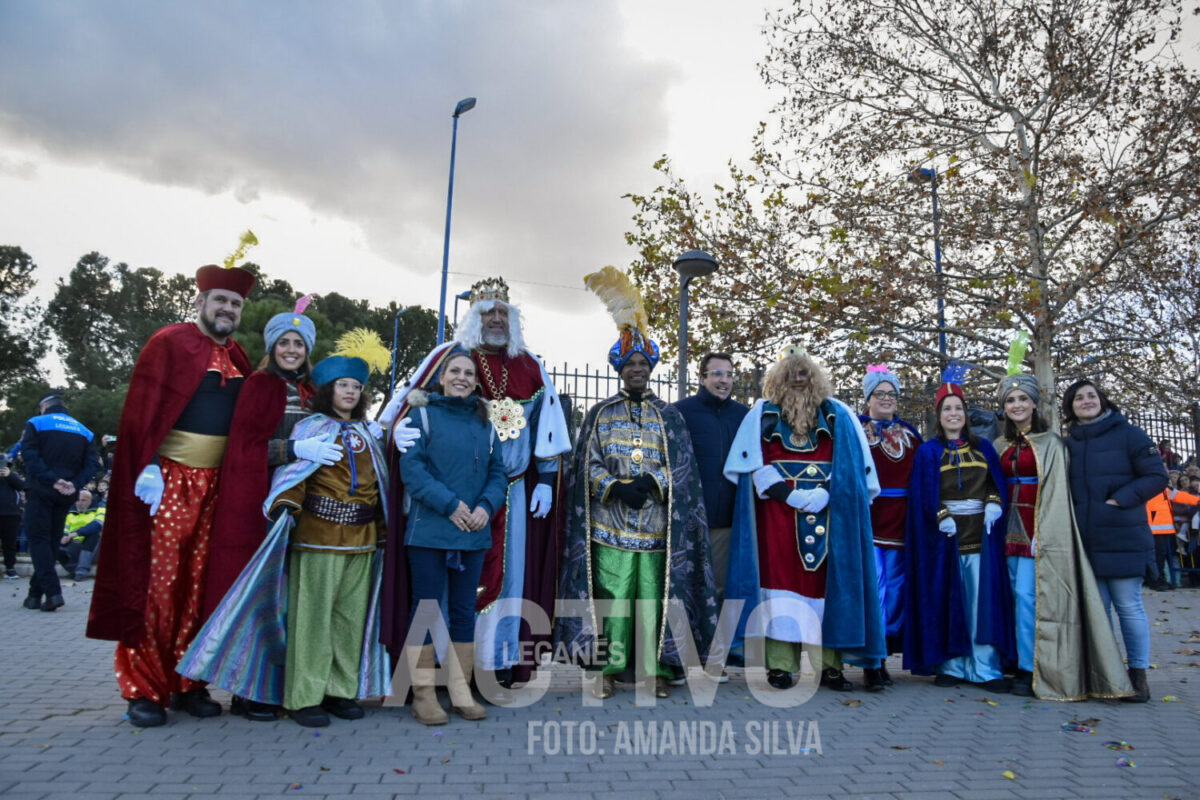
[(167, 373)]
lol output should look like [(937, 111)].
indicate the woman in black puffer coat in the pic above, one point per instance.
[(1115, 469)]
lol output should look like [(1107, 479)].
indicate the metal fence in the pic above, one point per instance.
[(583, 387)]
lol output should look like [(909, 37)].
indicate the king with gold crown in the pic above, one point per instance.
[(531, 427)]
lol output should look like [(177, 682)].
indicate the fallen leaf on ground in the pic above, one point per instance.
[(900, 747), (852, 703), (1091, 722), (446, 760), (1118, 745), (940, 763), (1187, 651)]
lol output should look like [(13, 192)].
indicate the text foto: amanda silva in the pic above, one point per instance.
[(674, 737)]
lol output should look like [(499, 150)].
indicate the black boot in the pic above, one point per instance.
[(33, 602), (1022, 685), (253, 710), (779, 679), (885, 676), (1141, 689), (145, 713), (197, 703), (872, 680), (834, 679), (52, 602)]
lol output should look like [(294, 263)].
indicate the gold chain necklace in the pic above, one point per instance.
[(506, 414)]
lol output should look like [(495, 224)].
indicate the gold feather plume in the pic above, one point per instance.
[(621, 297), (365, 344), (247, 241)]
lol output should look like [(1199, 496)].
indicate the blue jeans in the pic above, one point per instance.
[(449, 577), (1126, 595)]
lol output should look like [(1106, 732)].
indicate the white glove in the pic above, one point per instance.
[(948, 526), (388, 415), (543, 498), (404, 435), (149, 487), (318, 450), (810, 500), (765, 478), (991, 513), (375, 429), (1033, 547)]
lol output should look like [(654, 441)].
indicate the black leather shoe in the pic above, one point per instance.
[(1022, 685), (779, 679), (310, 717), (32, 603), (946, 681), (834, 679), (52, 602), (343, 708), (253, 710), (872, 680), (197, 703), (997, 685), (885, 676), (145, 713)]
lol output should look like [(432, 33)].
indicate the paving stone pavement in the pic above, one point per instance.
[(62, 734)]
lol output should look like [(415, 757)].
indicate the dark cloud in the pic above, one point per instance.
[(346, 106)]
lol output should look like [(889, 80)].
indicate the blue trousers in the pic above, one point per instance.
[(450, 578), (1126, 595), (1023, 578)]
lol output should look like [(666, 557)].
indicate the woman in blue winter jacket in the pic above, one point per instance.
[(455, 482), (1115, 469)]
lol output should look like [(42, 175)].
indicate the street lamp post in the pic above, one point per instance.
[(923, 175), (463, 295), (463, 107), (692, 264)]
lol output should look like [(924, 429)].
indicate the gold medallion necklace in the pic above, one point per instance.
[(506, 414)]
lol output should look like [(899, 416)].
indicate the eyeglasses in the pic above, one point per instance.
[(885, 395), (718, 373)]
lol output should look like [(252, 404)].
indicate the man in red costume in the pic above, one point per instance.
[(154, 550)]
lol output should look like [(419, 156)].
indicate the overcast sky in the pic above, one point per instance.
[(155, 132)]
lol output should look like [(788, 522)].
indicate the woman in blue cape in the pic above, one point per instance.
[(958, 609)]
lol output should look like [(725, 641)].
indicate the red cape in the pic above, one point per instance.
[(239, 525), (167, 373)]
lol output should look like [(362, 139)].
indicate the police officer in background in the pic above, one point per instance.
[(60, 457)]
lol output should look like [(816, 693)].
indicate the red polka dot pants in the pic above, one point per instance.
[(178, 558)]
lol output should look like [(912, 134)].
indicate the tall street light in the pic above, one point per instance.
[(929, 175), (465, 294), (692, 264), (463, 107)]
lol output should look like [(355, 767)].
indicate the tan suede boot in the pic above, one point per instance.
[(462, 702), (425, 705)]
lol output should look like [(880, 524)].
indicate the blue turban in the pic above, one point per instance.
[(334, 367), (280, 324), (632, 342)]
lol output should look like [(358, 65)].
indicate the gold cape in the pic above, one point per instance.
[(1075, 650)]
